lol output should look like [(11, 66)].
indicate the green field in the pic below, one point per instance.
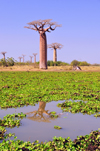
[(27, 88)]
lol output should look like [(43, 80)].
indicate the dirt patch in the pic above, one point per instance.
[(51, 68)]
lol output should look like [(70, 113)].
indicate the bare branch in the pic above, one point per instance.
[(40, 25), (29, 27)]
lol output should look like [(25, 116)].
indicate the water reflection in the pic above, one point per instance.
[(39, 115)]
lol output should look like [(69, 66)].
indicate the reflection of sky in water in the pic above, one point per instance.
[(31, 129)]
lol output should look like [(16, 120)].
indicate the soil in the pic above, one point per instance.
[(53, 69)]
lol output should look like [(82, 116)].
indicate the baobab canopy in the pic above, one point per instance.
[(43, 26), (39, 25), (55, 46)]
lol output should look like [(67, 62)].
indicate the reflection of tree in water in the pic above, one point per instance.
[(38, 115)]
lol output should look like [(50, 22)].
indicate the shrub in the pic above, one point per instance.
[(84, 63), (58, 63), (10, 61), (75, 63), (79, 63), (3, 62)]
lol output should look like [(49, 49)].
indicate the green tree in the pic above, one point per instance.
[(10, 61), (3, 62), (74, 63)]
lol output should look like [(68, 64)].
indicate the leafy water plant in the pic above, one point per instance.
[(53, 112), (80, 106), (54, 116), (87, 142), (10, 120), (97, 115), (2, 131), (57, 127), (27, 88)]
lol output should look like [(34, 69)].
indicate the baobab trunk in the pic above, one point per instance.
[(43, 51), (54, 55), (34, 59)]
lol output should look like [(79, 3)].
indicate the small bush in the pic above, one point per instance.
[(3, 62), (84, 63), (79, 63), (58, 63), (74, 63), (10, 61)]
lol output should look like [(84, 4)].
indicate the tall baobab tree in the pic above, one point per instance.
[(23, 57), (43, 26), (20, 59), (55, 46), (34, 57), (31, 58), (3, 53)]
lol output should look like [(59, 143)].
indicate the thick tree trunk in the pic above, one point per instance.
[(54, 55), (4, 57), (43, 51), (34, 59)]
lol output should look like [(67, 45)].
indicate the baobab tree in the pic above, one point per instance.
[(34, 57), (55, 46), (23, 57), (20, 59), (31, 58), (42, 26), (3, 53)]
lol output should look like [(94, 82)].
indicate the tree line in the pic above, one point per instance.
[(11, 62)]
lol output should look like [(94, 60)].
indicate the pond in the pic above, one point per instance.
[(38, 125)]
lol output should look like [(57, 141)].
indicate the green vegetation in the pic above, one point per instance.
[(76, 107), (27, 88), (54, 116), (2, 131), (87, 142), (79, 63), (53, 112), (58, 63), (97, 115), (10, 120), (57, 127), (7, 62)]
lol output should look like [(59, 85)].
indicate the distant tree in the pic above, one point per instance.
[(43, 26), (20, 59), (3, 53), (84, 63), (75, 63), (10, 61), (31, 58), (34, 57), (3, 62), (55, 46), (79, 63), (23, 57)]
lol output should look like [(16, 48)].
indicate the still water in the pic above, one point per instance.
[(38, 125)]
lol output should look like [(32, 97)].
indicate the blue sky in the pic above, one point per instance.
[(79, 34)]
